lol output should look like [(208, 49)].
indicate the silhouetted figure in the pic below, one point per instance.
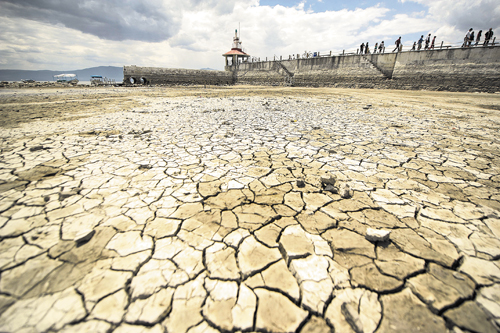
[(432, 44), (381, 47), (471, 38), (398, 42), (487, 36), (361, 48), (420, 41), (414, 46), (427, 41), (478, 36), (467, 38)]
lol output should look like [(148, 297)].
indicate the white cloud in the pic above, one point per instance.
[(29, 44), (195, 33), (284, 30), (146, 20), (455, 17)]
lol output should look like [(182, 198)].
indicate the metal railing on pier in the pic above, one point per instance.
[(386, 49)]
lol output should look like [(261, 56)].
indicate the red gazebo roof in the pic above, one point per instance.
[(237, 52)]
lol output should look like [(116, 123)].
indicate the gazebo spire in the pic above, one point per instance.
[(236, 40)]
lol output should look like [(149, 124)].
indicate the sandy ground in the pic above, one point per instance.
[(26, 105)]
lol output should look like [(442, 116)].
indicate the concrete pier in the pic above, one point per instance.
[(461, 69)]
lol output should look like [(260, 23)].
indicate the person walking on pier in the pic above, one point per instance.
[(414, 46), (361, 48), (367, 49), (432, 44), (398, 42), (487, 37), (467, 38), (427, 42), (478, 37), (381, 48), (420, 42), (471, 38), (375, 48)]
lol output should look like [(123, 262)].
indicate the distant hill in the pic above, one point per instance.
[(110, 72)]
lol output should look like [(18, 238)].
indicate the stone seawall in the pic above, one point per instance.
[(467, 69), (175, 76), (260, 73), (462, 69), (349, 71)]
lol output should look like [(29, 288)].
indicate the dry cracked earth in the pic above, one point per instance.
[(249, 209)]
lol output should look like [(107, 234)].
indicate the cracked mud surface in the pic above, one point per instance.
[(248, 209)]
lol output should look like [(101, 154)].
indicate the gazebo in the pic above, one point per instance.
[(233, 57)]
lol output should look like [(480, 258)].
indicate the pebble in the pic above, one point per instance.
[(84, 236), (374, 235)]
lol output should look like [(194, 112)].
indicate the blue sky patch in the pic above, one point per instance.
[(397, 7)]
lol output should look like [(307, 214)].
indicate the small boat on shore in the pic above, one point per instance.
[(66, 78), (99, 80)]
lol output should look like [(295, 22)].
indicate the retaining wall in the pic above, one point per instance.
[(467, 69), (175, 76), (349, 71), (462, 69)]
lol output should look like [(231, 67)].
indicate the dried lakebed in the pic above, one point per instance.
[(247, 209)]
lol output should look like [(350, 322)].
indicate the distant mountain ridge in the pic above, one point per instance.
[(111, 72)]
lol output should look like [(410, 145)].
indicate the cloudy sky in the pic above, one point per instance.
[(76, 34)]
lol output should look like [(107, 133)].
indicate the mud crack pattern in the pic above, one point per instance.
[(250, 214)]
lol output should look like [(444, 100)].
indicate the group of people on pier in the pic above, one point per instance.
[(417, 46), (469, 37), (365, 49), (428, 42)]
